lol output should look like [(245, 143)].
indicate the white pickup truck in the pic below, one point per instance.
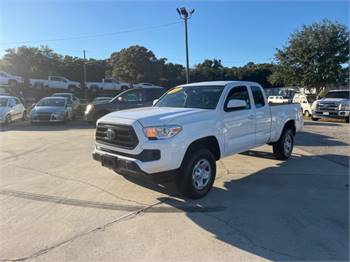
[(336, 104), (7, 79), (191, 127), (55, 82), (107, 84)]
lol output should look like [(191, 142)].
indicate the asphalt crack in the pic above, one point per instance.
[(43, 251)]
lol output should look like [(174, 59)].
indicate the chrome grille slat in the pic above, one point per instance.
[(125, 136)]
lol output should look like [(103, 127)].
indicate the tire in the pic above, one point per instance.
[(347, 120), (12, 83), (307, 114), (283, 148), (7, 120), (314, 119), (72, 89), (197, 174), (94, 89), (24, 117)]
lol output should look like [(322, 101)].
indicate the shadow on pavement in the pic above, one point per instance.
[(313, 139), (277, 213), (314, 123)]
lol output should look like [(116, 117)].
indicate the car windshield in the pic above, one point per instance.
[(338, 94), (204, 97), (52, 102)]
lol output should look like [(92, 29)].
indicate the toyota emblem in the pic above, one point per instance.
[(110, 134)]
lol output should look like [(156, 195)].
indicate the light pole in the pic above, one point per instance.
[(185, 15)]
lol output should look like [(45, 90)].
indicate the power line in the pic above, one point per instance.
[(92, 36)]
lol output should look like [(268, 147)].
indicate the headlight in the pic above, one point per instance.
[(89, 108), (343, 107), (161, 132)]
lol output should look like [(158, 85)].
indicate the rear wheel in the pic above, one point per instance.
[(197, 174), (72, 89), (7, 120), (307, 114), (347, 120), (283, 148), (314, 119), (24, 116)]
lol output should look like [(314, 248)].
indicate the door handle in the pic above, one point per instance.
[(251, 117)]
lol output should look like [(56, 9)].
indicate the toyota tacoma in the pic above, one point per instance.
[(190, 128)]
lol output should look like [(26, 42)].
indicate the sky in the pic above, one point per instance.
[(236, 32)]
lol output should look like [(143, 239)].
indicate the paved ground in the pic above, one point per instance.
[(56, 204)]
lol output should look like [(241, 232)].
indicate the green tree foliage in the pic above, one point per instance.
[(31, 62), (315, 56), (136, 64)]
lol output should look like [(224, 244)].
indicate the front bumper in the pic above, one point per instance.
[(330, 114)]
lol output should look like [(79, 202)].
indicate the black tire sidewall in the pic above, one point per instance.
[(185, 180)]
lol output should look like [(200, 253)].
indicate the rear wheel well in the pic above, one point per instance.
[(209, 142), (291, 125)]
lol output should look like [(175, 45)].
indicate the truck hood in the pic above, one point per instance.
[(334, 100), (153, 116)]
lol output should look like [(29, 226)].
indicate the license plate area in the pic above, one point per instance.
[(326, 113), (109, 161)]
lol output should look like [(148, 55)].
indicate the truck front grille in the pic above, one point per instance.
[(327, 106), (122, 136)]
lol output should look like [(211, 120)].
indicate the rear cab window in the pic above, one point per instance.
[(258, 97)]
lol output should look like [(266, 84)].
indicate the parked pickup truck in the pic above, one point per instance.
[(191, 127), (7, 79), (107, 84), (55, 82), (334, 105)]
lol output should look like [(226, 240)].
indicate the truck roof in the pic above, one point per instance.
[(220, 83)]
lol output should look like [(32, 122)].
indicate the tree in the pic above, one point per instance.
[(315, 56), (136, 64)]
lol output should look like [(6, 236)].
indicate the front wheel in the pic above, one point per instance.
[(314, 119), (283, 148), (7, 120), (197, 174)]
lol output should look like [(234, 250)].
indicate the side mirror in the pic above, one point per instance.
[(155, 101), (236, 103)]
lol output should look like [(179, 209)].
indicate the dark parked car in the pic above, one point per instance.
[(128, 99)]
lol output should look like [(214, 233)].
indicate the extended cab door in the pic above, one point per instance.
[(262, 116), (239, 126)]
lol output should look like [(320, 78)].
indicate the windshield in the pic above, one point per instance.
[(62, 95), (3, 101), (52, 102), (204, 97), (338, 94)]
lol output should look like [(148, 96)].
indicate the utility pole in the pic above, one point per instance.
[(185, 15), (84, 84)]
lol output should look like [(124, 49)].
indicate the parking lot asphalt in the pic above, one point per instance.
[(57, 204)]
